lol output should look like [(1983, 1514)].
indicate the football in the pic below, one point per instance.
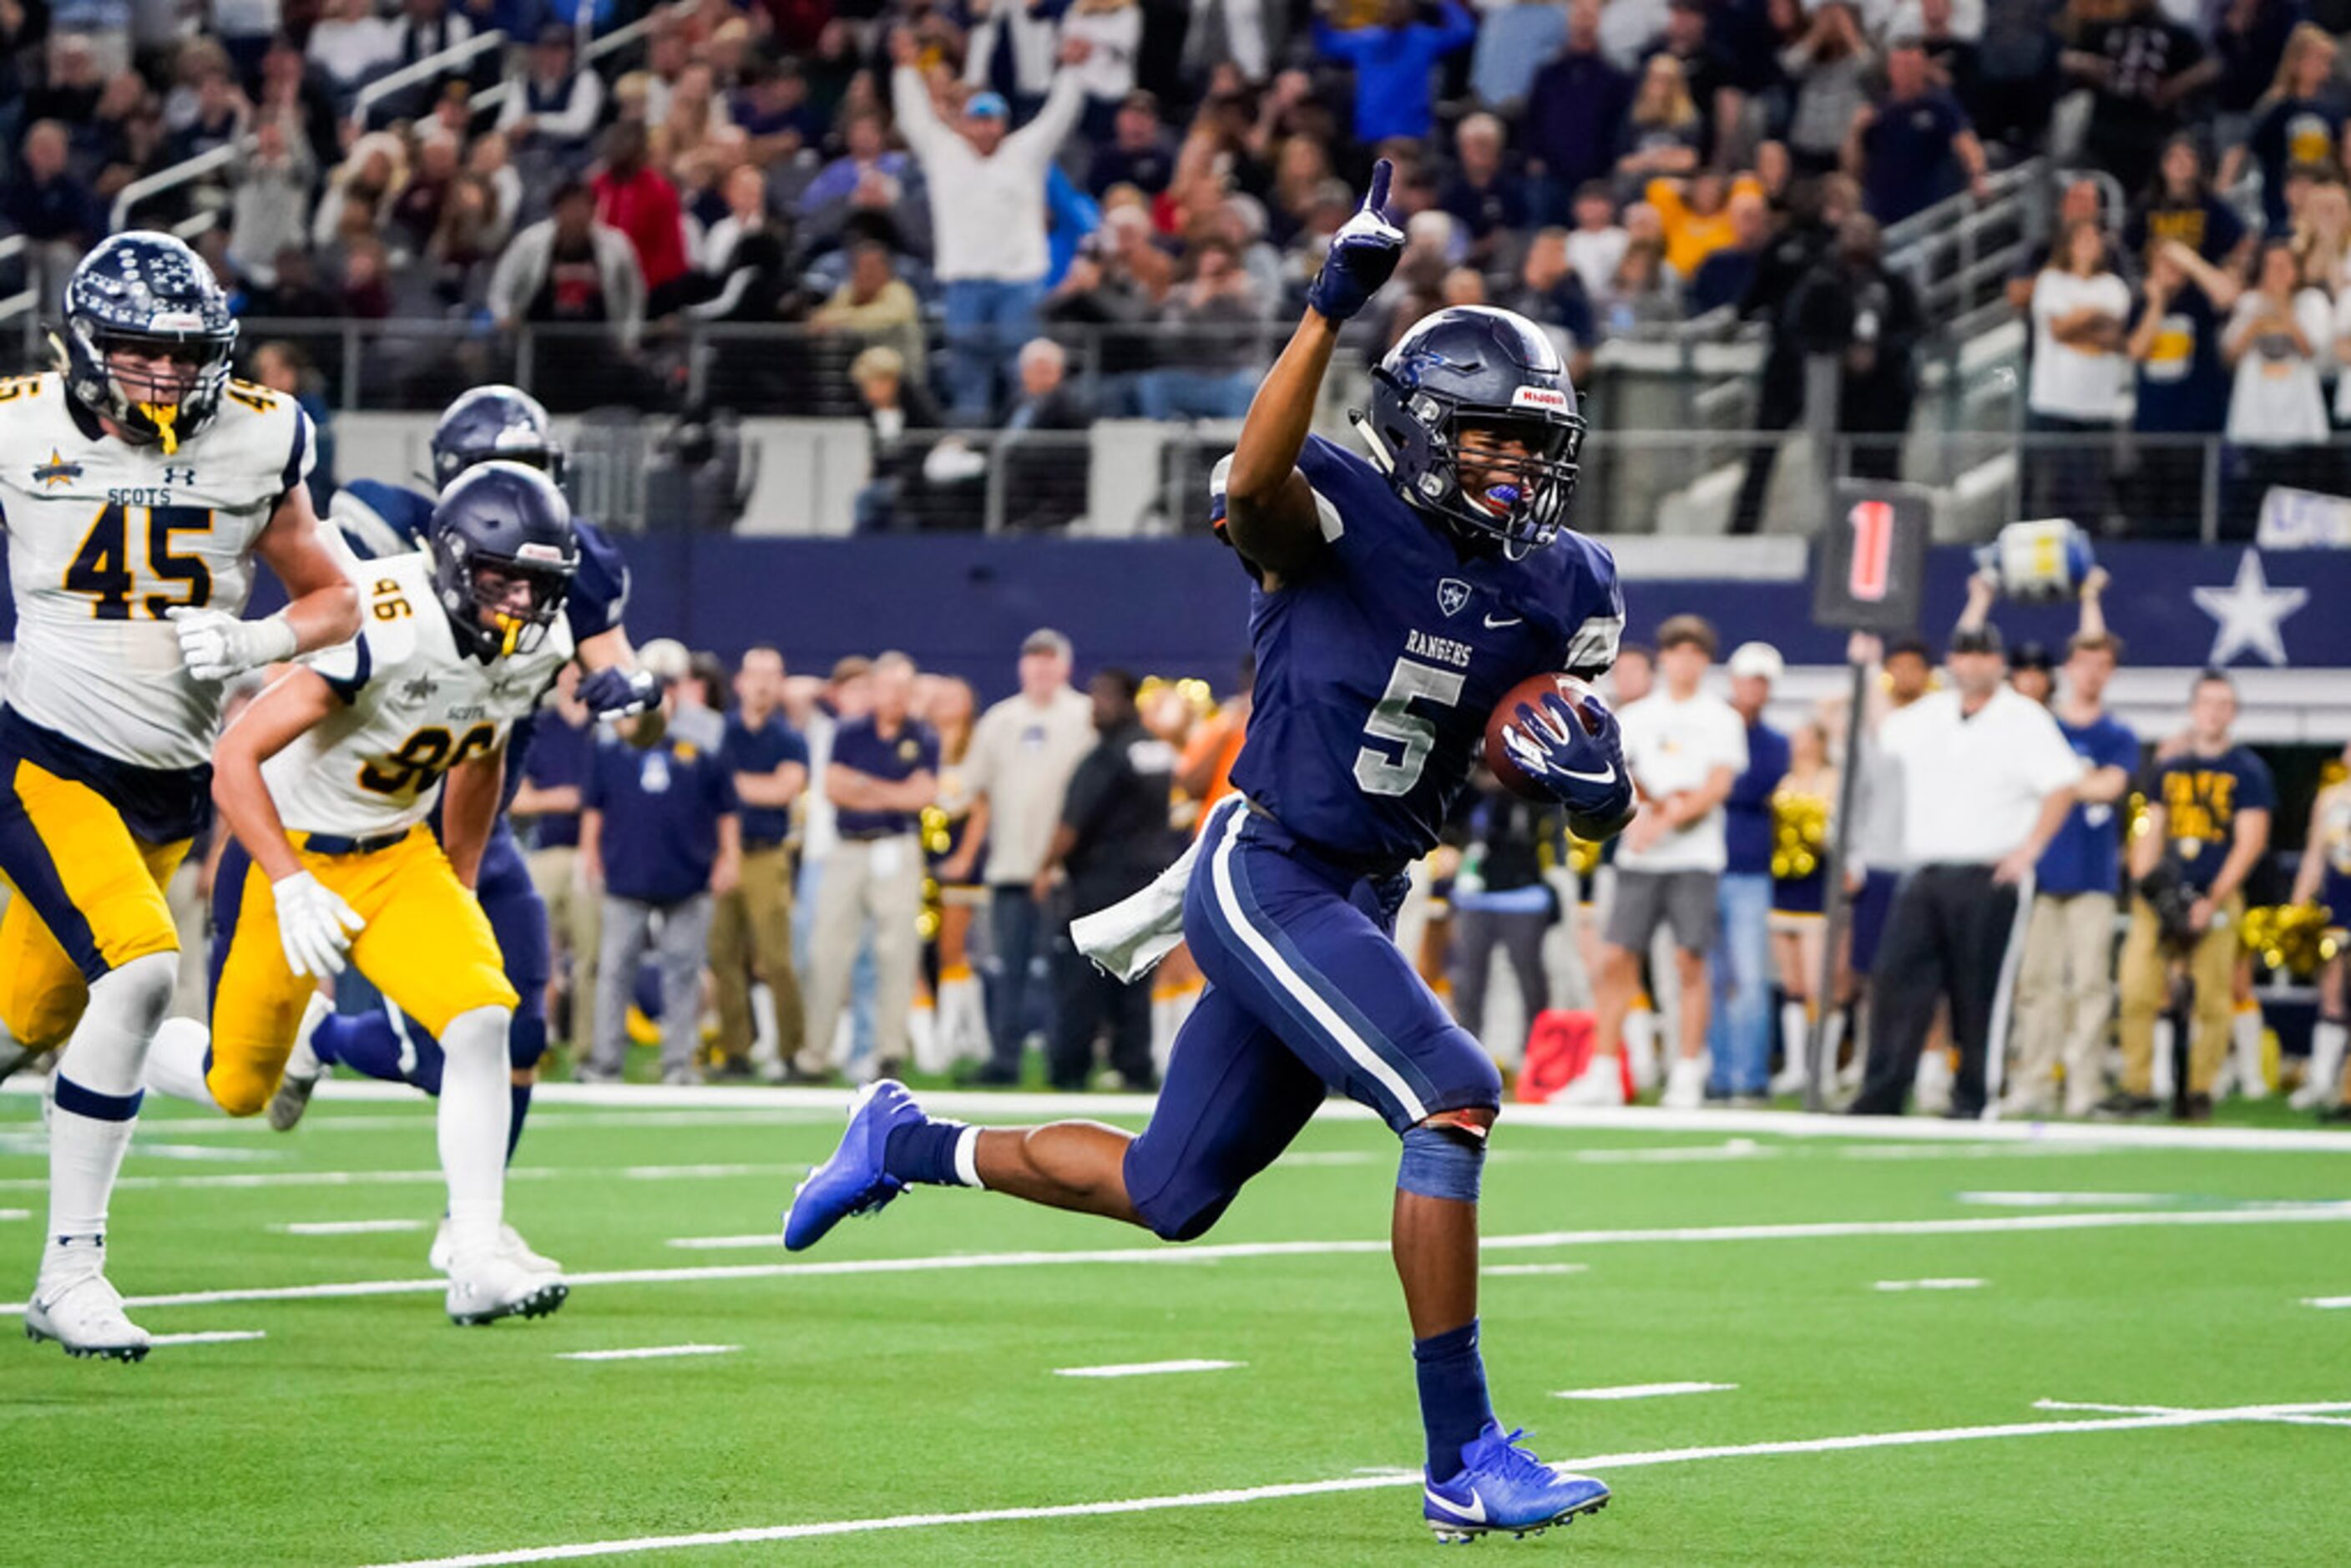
[(1530, 693)]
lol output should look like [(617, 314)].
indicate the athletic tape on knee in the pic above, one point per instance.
[(1440, 1162)]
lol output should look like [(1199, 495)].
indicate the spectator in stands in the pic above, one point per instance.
[(487, 161), (638, 201), (47, 204), (1017, 773), (547, 809), (283, 367), (898, 415), (245, 28), (2183, 206), (425, 29), (2248, 39), (1598, 242), (772, 109), (2141, 69), (2207, 828), (568, 270), (2278, 338), (2182, 387), (367, 292), (661, 834), (1211, 367), (122, 138), (1574, 110), (1112, 836), (2300, 120), (353, 45), (1914, 147), (1011, 46), (75, 79), (882, 774), (1662, 133), (1829, 66), (555, 106), (751, 926), (876, 304), (1112, 33), (1713, 76), (1484, 196), (465, 243), (1551, 295), (1738, 1038), (360, 190), (218, 118), (1514, 39), (987, 185), (1045, 488), (1137, 151), (1392, 60), (1046, 400), (415, 212), (1694, 216), (1728, 273), (2081, 311), (866, 149), (2322, 230), (294, 293)]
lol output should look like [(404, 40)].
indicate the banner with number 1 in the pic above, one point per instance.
[(1871, 564)]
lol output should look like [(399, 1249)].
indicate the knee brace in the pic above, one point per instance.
[(1441, 1162)]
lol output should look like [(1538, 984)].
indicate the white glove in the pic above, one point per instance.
[(216, 645), (315, 925)]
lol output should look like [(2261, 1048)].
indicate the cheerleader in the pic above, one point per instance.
[(1802, 808), (2324, 879)]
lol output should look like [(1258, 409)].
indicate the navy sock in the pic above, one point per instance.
[(520, 1094), (361, 1042), (924, 1152), (1453, 1404)]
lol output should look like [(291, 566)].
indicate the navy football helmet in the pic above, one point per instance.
[(494, 422), (500, 527), (1473, 368), (148, 295)]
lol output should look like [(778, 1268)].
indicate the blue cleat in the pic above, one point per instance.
[(1501, 1488), (852, 1181)]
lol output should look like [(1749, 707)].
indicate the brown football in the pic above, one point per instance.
[(1530, 693)]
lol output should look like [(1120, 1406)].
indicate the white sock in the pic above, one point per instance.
[(175, 1062), (2245, 1037), (475, 1110), (1795, 1035), (1831, 1039), (95, 1102), (966, 1158), (765, 1041), (2327, 1044)]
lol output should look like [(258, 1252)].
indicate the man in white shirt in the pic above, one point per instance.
[(1684, 746), (1987, 779), (1018, 771)]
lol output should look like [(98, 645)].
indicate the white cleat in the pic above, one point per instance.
[(84, 1315), (496, 1286), (303, 1069), (1600, 1085), (512, 1248), (1686, 1084), (1791, 1080)]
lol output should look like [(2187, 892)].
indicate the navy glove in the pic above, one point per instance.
[(1581, 764), (619, 694), (1363, 256)]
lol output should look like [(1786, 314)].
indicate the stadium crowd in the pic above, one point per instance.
[(1152, 186)]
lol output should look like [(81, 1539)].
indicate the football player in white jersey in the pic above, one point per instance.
[(326, 781), (138, 483)]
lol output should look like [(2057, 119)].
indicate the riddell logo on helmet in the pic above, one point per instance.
[(1538, 397)]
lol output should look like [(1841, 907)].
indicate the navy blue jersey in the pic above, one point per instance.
[(1377, 669)]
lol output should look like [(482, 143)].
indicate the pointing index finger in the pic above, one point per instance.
[(1376, 200)]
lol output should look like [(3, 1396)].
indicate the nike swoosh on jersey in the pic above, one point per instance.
[(1494, 625), (1475, 1513)]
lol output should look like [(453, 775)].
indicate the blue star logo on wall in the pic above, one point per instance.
[(56, 470), (2252, 614)]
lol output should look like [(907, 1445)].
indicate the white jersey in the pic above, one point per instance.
[(106, 537), (413, 707)]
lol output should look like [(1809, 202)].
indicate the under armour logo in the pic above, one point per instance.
[(178, 475), (1452, 593)]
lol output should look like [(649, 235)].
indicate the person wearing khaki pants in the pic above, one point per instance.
[(2064, 988), (2209, 816), (546, 808), (751, 928), (884, 770)]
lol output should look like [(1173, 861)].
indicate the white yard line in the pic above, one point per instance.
[(346, 1226), (1644, 1390), (972, 1105), (2283, 1414), (2328, 1303), (2068, 1199), (2316, 1213), (647, 1353), (1145, 1368), (15, 1214), (418, 1177), (215, 1336), (1953, 1285), (1507, 1271), (1366, 1483)]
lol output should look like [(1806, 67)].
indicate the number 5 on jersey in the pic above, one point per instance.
[(1393, 720), (102, 569)]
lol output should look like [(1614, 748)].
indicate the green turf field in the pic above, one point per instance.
[(365, 1429)]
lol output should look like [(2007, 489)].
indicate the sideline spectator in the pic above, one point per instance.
[(660, 834), (2208, 825), (751, 926), (1986, 780), (1392, 60), (555, 768), (1740, 1035), (2080, 308), (1574, 108), (1113, 838), (1685, 749), (1017, 773), (881, 775), (986, 186)]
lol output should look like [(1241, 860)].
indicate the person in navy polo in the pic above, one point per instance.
[(660, 834), (751, 932), (883, 772), (546, 808), (1915, 147)]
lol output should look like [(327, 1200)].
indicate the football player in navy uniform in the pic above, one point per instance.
[(380, 520), (1398, 598)]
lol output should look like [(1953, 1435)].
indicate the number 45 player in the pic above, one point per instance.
[(1397, 599)]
